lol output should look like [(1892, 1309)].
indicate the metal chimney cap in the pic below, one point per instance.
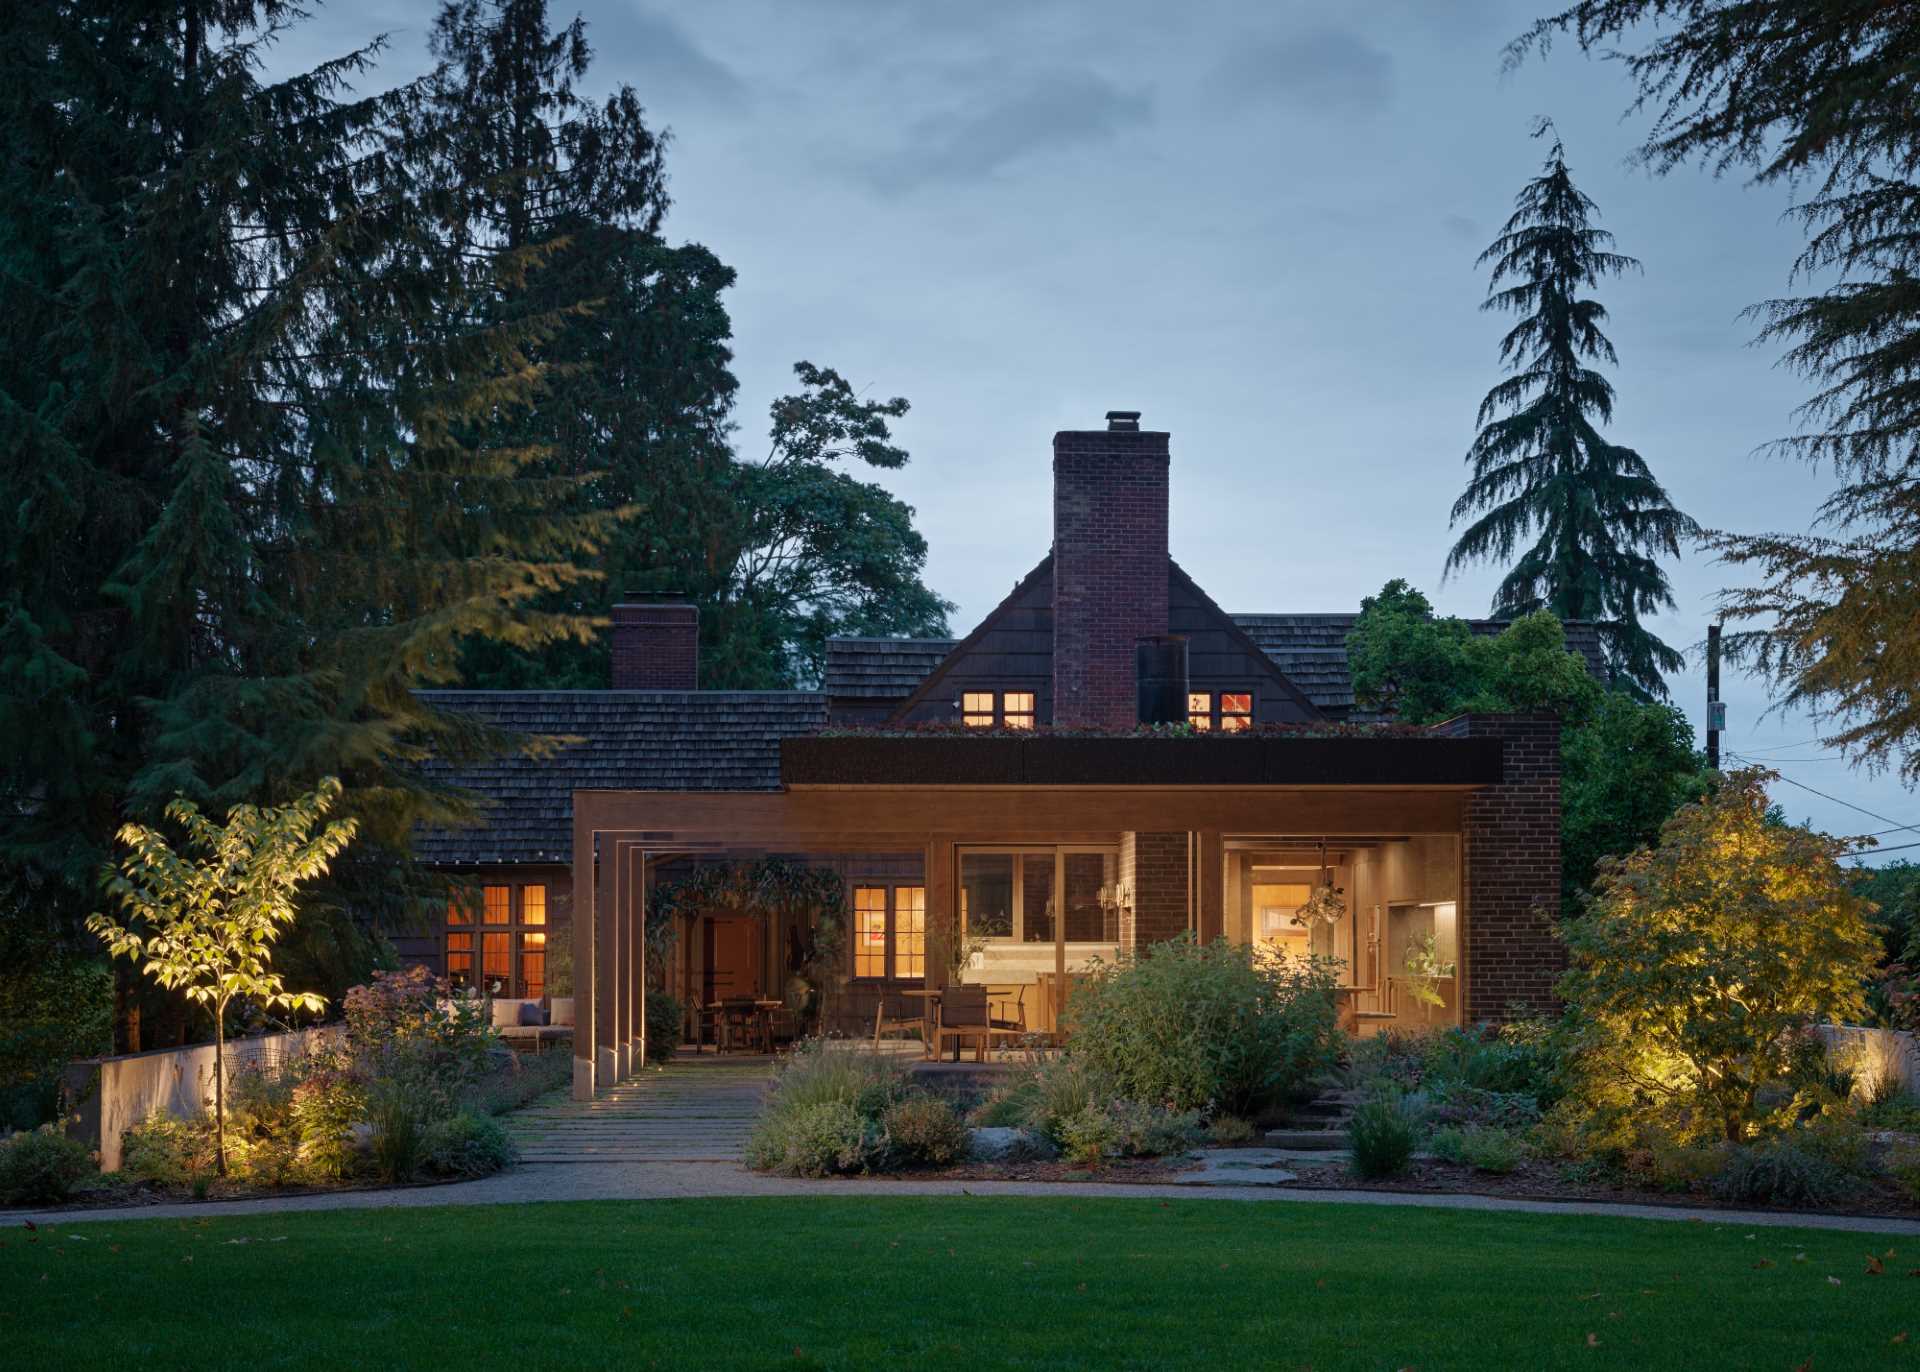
[(1123, 421)]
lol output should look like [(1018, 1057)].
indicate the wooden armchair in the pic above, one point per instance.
[(963, 1015), (886, 1024)]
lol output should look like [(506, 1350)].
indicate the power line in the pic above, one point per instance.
[(1898, 827)]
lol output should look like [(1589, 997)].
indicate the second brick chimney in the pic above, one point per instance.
[(656, 644), (1109, 566)]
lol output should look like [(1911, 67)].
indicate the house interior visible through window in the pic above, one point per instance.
[(976, 709), (512, 940), (890, 932), (1228, 711), (1016, 709)]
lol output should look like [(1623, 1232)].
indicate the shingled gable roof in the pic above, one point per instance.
[(626, 740), (881, 668), (1279, 674), (931, 683)]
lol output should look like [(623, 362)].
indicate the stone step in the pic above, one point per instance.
[(1309, 1140)]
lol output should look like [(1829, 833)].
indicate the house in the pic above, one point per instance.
[(999, 815)]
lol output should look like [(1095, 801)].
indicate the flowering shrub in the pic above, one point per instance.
[(329, 1098), (41, 1167)]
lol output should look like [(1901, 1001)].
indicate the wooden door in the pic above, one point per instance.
[(732, 946)]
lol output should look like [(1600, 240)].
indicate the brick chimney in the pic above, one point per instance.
[(656, 644), (1109, 566)]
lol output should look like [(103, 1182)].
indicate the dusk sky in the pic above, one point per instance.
[(1256, 224)]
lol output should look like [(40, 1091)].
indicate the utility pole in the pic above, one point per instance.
[(1716, 709)]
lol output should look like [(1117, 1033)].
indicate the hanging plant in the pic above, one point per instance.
[(807, 902), (1326, 905)]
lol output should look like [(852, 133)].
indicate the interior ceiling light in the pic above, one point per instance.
[(1325, 904)]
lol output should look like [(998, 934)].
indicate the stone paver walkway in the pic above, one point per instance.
[(693, 1110)]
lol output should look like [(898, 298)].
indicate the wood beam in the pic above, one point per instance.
[(581, 915)]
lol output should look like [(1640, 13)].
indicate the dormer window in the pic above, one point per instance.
[(1008, 709), (1225, 711)]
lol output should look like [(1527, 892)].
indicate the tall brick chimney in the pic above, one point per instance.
[(656, 644), (1109, 566)]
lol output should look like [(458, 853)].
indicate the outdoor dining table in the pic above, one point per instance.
[(758, 1015)]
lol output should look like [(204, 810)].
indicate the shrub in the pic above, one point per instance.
[(1458, 1103), (411, 1023), (1480, 1147), (665, 1019), (1518, 1059), (1382, 1135), (259, 1104), (1669, 1166), (1198, 1026), (55, 1006), (1749, 924), (329, 1098), (399, 1116), (818, 1073), (813, 1140), (41, 1167), (518, 1080), (1089, 1137), (1227, 1131), (166, 1151), (1780, 1174), (1063, 1088), (1153, 1131), (466, 1145), (1895, 1110), (1009, 1105), (1903, 1167), (924, 1129)]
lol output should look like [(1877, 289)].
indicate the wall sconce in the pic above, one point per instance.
[(1116, 895)]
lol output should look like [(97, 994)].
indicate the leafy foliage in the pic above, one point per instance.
[(1204, 1026), (1781, 1174), (55, 1006), (205, 925), (1626, 764), (466, 1145), (806, 903), (666, 1019), (1697, 963), (1541, 468), (924, 1130), (1821, 96), (41, 1167), (1382, 1134), (1482, 1147)]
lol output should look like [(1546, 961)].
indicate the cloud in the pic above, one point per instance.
[(654, 54), (1322, 68), (1046, 112)]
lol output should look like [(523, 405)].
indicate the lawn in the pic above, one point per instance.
[(898, 1282)]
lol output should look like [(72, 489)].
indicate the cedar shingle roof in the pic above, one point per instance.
[(881, 668), (1312, 650), (627, 740)]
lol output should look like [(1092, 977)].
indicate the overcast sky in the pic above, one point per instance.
[(1256, 223)]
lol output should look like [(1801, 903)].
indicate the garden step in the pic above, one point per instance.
[(1309, 1140)]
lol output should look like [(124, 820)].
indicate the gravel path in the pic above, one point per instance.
[(671, 1180)]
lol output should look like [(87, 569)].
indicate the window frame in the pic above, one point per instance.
[(890, 954), (470, 918), (992, 709), (1215, 717)]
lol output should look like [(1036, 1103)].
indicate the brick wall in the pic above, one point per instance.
[(1155, 865), (1510, 873), (1109, 567), (656, 647)]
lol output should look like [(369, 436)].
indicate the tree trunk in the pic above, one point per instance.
[(220, 1088)]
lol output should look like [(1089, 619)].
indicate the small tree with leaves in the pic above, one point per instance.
[(203, 922), (1699, 963), (1541, 468)]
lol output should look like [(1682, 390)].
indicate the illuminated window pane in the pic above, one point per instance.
[(460, 908), (533, 905), (496, 904), (460, 959), (976, 709), (495, 960), (1200, 709), (533, 965), (910, 931), (869, 931), (1016, 708)]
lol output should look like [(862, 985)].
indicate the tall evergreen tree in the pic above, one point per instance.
[(1820, 96), (246, 447), (1542, 470)]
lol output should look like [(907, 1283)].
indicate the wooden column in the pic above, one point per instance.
[(581, 915), (637, 965), (1210, 884), (943, 910), (606, 928)]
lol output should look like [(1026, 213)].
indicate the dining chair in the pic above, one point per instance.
[(963, 1015)]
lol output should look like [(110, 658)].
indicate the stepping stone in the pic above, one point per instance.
[(1239, 1167), (1307, 1139)]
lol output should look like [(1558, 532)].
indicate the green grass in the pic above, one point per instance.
[(904, 1282)]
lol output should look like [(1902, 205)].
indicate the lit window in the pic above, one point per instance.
[(533, 905), (460, 959), (533, 965), (869, 931), (496, 964), (1236, 711), (460, 908), (1200, 709), (496, 905), (1016, 708), (910, 931), (976, 709)]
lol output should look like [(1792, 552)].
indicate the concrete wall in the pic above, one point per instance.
[(114, 1094), (1875, 1054)]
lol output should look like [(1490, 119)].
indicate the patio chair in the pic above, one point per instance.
[(1009, 1025), (740, 1017), (963, 1015), (884, 1024)]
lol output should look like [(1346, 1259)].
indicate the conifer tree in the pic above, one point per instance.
[(1819, 97), (1542, 470), (246, 449)]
